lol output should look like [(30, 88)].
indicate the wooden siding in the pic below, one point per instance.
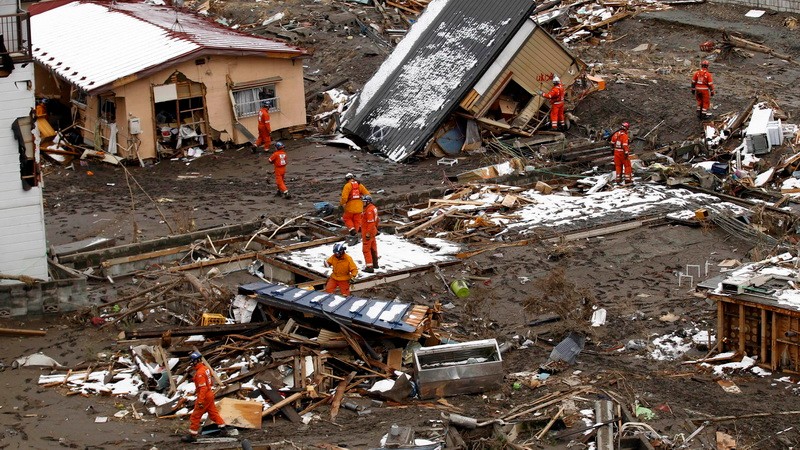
[(22, 234), (540, 57)]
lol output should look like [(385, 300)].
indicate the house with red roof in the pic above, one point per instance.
[(144, 81)]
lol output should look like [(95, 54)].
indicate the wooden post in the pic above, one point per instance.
[(763, 352), (721, 331), (774, 343), (741, 329)]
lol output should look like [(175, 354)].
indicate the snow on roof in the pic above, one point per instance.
[(780, 275), (641, 200), (92, 44), (404, 255), (432, 68)]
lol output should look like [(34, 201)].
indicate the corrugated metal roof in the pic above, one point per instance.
[(92, 44), (432, 68), (387, 315)]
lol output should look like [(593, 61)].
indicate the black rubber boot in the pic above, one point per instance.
[(189, 438), (375, 259)]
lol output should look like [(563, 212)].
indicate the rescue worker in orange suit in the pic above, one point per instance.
[(264, 128), (344, 270), (369, 231), (622, 152), (278, 160), (351, 201), (703, 90), (205, 399), (556, 97)]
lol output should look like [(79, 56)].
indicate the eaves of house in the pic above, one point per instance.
[(99, 45)]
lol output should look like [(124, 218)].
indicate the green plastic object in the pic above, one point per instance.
[(460, 288)]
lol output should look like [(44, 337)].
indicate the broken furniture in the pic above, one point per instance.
[(453, 369)]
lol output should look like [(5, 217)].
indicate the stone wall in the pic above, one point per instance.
[(792, 6)]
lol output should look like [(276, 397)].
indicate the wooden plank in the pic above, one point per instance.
[(339, 394), (240, 413), (274, 397), (189, 331), (427, 224), (274, 408), (21, 332), (395, 358), (456, 202)]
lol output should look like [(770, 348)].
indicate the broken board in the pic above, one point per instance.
[(240, 413)]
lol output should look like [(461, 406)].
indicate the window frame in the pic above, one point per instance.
[(257, 94)]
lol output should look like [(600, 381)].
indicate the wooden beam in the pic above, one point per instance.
[(21, 332), (427, 224), (274, 408)]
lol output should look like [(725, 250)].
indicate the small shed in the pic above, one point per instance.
[(758, 312), (139, 79), (464, 64)]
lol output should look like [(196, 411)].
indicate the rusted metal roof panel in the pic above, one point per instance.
[(430, 71), (380, 315), (93, 44)]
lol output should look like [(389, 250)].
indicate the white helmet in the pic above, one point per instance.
[(556, 80)]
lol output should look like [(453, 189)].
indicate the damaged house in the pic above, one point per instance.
[(464, 66), (22, 232), (142, 81)]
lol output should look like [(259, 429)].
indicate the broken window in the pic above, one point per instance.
[(79, 97), (108, 109), (29, 168), (248, 101)]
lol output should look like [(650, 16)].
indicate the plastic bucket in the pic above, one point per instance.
[(460, 288)]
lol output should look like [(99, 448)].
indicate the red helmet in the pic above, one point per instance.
[(625, 125), (704, 63)]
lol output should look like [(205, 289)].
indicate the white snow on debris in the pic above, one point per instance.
[(669, 347), (445, 247), (640, 200), (395, 254), (788, 296), (672, 346)]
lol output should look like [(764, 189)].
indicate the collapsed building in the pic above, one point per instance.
[(463, 67)]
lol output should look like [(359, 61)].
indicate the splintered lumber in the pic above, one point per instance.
[(21, 332), (337, 397), (615, 18), (274, 397), (427, 224), (274, 408)]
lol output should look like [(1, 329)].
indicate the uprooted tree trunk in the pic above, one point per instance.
[(733, 41)]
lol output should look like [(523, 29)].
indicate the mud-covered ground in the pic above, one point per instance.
[(630, 274)]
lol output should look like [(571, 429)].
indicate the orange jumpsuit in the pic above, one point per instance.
[(353, 206), (264, 128), (344, 269), (556, 97), (703, 88), (205, 399), (369, 229), (278, 159), (622, 161)]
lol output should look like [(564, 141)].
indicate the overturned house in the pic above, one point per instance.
[(464, 67), (143, 81)]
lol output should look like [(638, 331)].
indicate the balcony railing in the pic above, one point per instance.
[(16, 31)]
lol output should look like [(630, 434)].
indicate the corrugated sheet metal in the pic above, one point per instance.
[(386, 315), (433, 67), (92, 44)]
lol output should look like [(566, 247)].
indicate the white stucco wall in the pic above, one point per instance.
[(23, 246)]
